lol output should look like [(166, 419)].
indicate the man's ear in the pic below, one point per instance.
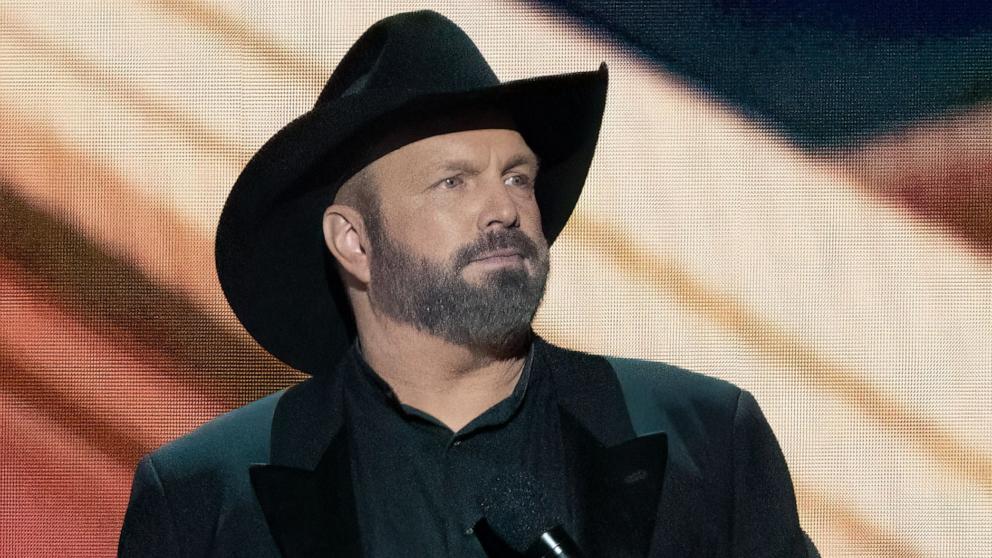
[(344, 235)]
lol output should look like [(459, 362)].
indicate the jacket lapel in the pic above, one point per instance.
[(616, 477), (306, 489)]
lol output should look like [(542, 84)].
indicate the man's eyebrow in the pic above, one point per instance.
[(468, 167), (523, 159)]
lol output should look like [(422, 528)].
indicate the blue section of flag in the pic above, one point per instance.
[(827, 74)]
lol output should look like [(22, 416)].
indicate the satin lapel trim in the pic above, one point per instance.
[(311, 513), (616, 477), (616, 490), (308, 417), (306, 490)]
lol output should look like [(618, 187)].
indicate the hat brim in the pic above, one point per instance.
[(273, 265)]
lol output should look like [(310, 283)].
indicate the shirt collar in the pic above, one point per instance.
[(499, 413)]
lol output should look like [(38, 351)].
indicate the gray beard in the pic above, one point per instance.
[(494, 316)]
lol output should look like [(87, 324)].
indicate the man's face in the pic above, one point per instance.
[(457, 248)]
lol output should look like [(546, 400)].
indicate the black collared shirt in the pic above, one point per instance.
[(418, 484)]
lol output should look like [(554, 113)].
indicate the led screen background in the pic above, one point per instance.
[(795, 200)]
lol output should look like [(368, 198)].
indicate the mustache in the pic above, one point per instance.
[(498, 240)]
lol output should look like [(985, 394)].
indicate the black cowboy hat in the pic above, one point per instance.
[(408, 72)]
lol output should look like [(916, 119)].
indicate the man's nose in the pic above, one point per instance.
[(499, 209)]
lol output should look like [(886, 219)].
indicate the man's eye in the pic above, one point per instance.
[(520, 180), (450, 182)]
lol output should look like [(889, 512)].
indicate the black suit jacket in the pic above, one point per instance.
[(662, 462)]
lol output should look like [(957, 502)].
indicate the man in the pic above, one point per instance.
[(393, 242)]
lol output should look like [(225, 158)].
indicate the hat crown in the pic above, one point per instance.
[(411, 53)]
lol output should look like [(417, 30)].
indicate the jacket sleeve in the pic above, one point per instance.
[(766, 522), (148, 529)]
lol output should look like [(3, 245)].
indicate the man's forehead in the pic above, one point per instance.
[(461, 148), (454, 163)]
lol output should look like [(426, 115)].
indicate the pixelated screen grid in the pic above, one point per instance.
[(847, 287)]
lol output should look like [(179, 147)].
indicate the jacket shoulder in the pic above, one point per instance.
[(232, 440), (662, 396), (194, 493)]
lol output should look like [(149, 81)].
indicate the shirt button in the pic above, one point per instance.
[(469, 531), (457, 443)]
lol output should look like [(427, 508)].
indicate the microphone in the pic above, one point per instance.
[(519, 521)]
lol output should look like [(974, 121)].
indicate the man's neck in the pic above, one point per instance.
[(451, 382)]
